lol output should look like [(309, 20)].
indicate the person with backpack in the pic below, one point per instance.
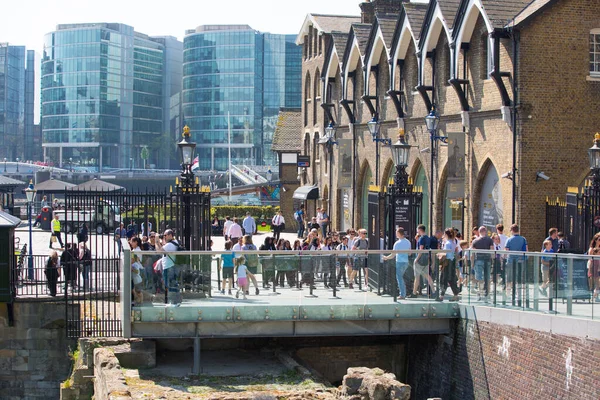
[(169, 267), (299, 217), (421, 263)]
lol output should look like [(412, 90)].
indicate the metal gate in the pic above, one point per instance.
[(578, 217), (93, 288)]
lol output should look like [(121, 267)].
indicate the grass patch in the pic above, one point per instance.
[(205, 386)]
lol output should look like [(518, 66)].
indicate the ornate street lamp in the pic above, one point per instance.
[(329, 141), (432, 121), (187, 150), (400, 155), (30, 193), (594, 156), (17, 164)]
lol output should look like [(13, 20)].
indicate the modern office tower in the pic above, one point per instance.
[(235, 70), (106, 93), (17, 77)]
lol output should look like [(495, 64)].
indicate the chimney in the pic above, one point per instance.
[(367, 12), (370, 8)]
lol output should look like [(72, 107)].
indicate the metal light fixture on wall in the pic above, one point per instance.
[(594, 156), (401, 150), (374, 125)]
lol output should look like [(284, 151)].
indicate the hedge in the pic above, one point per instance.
[(240, 211)]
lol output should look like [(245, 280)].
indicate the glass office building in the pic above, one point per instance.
[(234, 70), (105, 95), (17, 76)]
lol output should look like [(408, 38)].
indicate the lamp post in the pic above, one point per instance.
[(71, 164), (400, 188), (30, 193), (329, 141), (594, 156), (432, 121), (4, 164), (186, 152), (17, 164), (130, 164), (374, 126)]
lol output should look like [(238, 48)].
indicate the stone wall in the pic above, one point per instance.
[(34, 353), (333, 361), (486, 360), (109, 382)]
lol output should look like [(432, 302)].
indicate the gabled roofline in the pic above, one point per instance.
[(523, 17), (398, 30), (427, 22), (310, 19)]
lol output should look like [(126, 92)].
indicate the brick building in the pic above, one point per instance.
[(515, 83)]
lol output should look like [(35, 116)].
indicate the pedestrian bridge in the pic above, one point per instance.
[(196, 306)]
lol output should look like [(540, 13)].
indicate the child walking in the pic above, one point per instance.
[(227, 265), (242, 271)]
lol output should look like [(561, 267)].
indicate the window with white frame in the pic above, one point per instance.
[(595, 52)]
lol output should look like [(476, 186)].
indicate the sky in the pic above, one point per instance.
[(25, 22)]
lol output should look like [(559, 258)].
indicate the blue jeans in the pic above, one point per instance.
[(400, 269), (300, 229), (171, 284)]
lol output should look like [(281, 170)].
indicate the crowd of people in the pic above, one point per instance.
[(459, 262)]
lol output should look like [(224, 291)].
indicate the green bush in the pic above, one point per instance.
[(258, 212)]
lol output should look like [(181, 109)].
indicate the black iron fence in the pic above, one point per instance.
[(578, 217)]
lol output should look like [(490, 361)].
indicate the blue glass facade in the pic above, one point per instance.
[(103, 95), (16, 102), (224, 70)]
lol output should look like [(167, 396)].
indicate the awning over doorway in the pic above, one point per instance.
[(307, 193)]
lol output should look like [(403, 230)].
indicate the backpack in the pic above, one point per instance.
[(179, 259), (87, 257), (424, 259)]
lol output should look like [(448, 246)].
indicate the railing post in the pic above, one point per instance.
[(536, 283), (570, 286), (125, 290)]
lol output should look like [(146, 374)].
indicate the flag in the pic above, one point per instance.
[(195, 163)]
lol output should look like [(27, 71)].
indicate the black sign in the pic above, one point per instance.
[(580, 279), (303, 161)]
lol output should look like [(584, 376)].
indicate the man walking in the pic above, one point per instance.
[(482, 262), (56, 231), (299, 215), (553, 238), (325, 223), (235, 231), (249, 225), (515, 263), (278, 223), (226, 226), (421, 263), (120, 233), (401, 260)]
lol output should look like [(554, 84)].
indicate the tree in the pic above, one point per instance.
[(144, 155)]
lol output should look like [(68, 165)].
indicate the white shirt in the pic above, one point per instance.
[(278, 220), (241, 271), (226, 226), (235, 231), (503, 239), (237, 246), (320, 218)]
